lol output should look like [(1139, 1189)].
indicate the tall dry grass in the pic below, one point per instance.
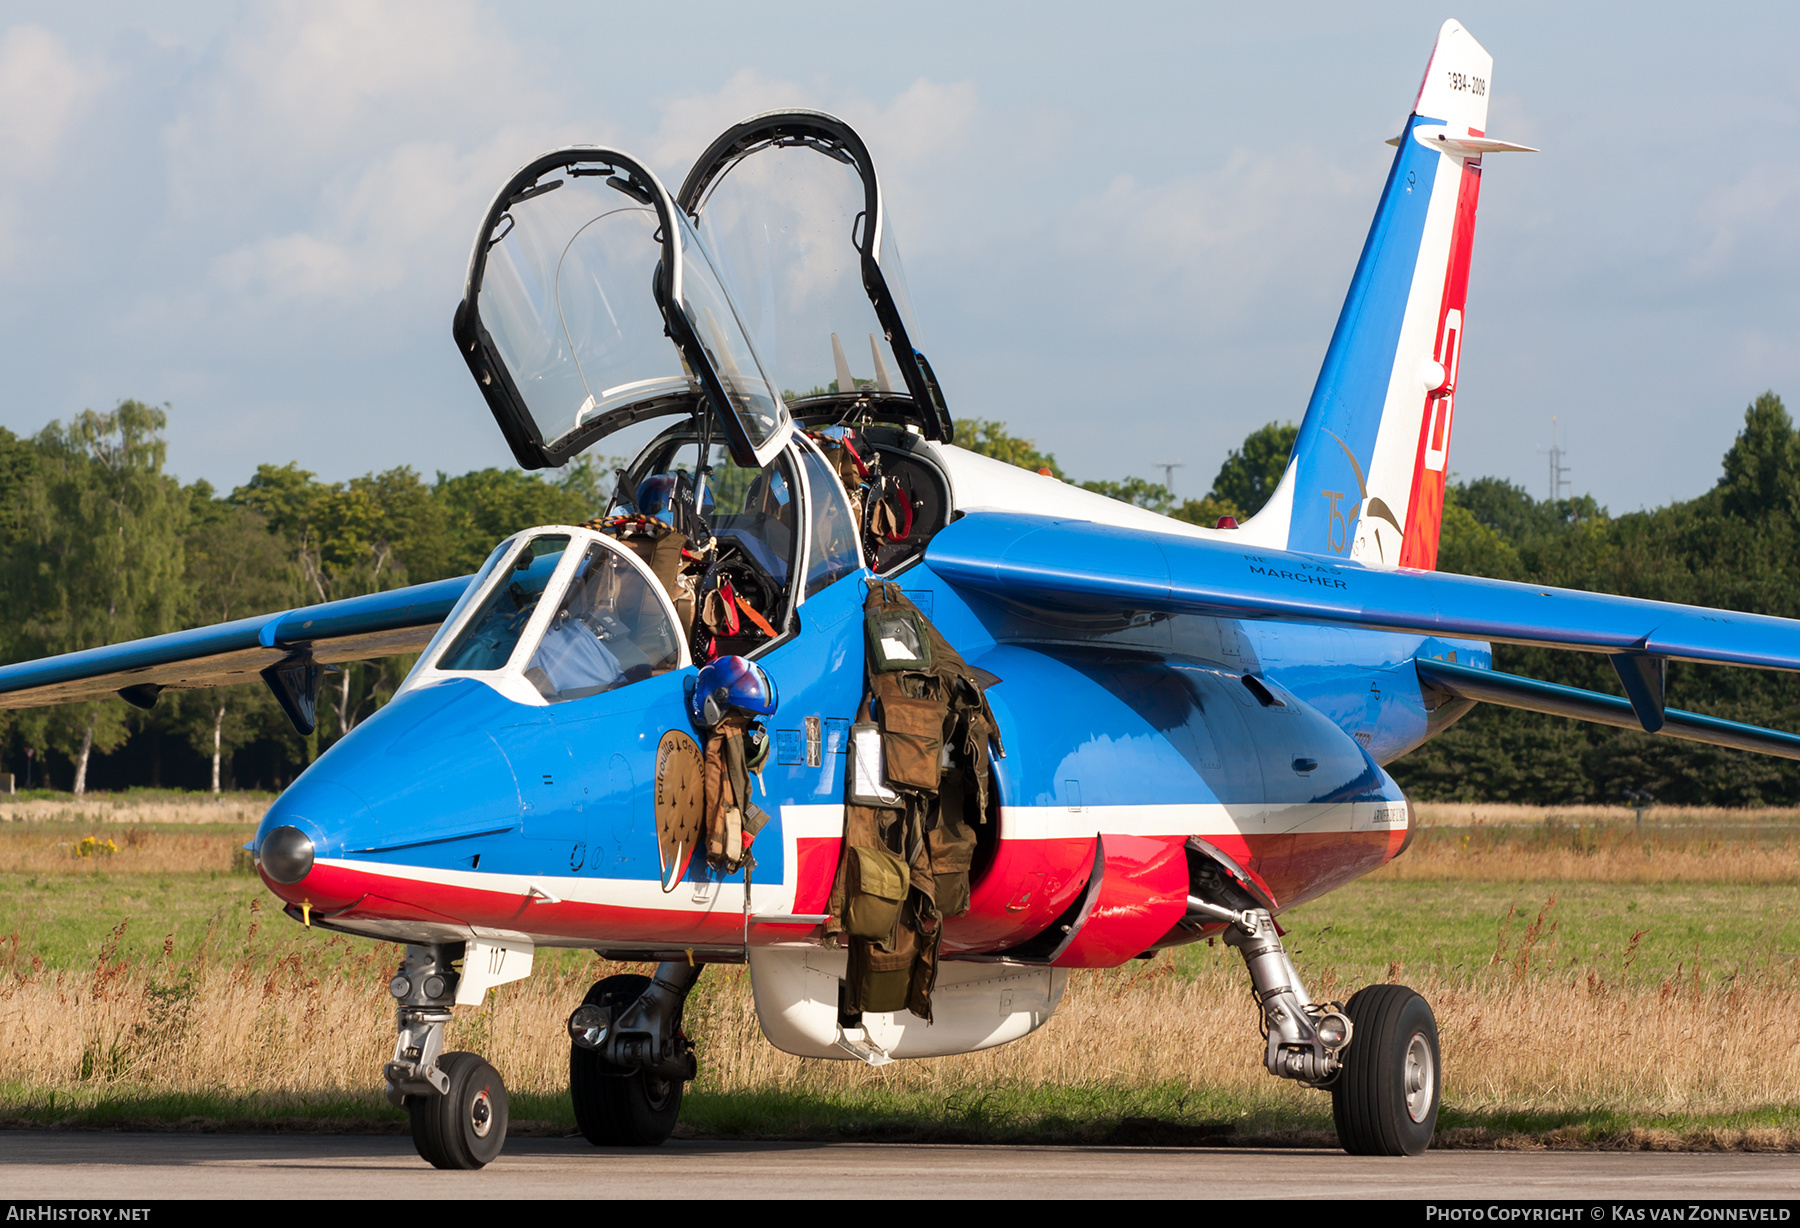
[(1454, 841), (1710, 846), (113, 809), (128, 833), (1491, 814), (112, 848), (286, 1026)]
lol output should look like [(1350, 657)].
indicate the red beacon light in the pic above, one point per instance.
[(1227, 522)]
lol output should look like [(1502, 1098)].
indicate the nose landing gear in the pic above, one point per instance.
[(456, 1101)]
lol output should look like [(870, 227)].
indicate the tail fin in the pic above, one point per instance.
[(1366, 479)]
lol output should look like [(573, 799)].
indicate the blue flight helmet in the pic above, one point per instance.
[(655, 497), (669, 497), (731, 686)]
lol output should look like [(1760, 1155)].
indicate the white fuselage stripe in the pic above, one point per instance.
[(1028, 823)]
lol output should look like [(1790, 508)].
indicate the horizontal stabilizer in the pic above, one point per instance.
[(354, 629), (1081, 566), (1513, 691), (1466, 146), (1462, 146)]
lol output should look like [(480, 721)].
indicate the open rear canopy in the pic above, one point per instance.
[(789, 205)]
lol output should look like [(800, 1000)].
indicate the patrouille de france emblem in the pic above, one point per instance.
[(680, 803)]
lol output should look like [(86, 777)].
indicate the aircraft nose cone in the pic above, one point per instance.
[(286, 854), (313, 820)]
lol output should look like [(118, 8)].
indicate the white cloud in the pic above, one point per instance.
[(322, 78), (918, 128), (305, 101), (689, 124), (1198, 251), (409, 218), (329, 165), (42, 90), (914, 139), (1748, 223), (237, 214)]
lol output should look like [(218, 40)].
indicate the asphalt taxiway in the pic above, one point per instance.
[(119, 1166)]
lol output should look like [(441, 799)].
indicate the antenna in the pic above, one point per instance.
[(1560, 486), (1168, 468)]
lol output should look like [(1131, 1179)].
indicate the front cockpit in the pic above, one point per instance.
[(558, 615)]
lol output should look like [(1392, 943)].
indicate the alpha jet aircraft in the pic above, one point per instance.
[(1194, 721)]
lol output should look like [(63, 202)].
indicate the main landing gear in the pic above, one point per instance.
[(1377, 1054), (629, 1060), (456, 1100)]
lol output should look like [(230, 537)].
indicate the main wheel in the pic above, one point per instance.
[(613, 1109), (467, 1127), (1385, 1099)]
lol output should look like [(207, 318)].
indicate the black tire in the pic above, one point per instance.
[(620, 1110), (467, 1127), (1385, 1099)]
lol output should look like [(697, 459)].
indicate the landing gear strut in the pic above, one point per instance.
[(1378, 1055), (456, 1101), (628, 1058)]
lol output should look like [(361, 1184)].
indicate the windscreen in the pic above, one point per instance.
[(487, 642), (783, 223), (477, 584), (567, 298), (610, 629)]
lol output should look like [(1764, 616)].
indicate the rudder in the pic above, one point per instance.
[(1366, 478)]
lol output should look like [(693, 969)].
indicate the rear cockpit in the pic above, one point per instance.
[(790, 207)]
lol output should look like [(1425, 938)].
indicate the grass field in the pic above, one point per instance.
[(1596, 981)]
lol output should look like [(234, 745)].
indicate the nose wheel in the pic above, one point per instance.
[(1385, 1099), (466, 1126)]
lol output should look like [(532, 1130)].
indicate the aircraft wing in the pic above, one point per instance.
[(1533, 695), (354, 629), (1083, 566)]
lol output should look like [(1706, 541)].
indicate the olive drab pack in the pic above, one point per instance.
[(916, 792)]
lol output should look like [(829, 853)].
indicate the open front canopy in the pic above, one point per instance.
[(582, 275), (789, 205)]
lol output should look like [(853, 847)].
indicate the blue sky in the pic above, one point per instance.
[(1128, 229)]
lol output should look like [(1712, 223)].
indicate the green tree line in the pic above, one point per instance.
[(99, 544), (1734, 547), (1244, 482)]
